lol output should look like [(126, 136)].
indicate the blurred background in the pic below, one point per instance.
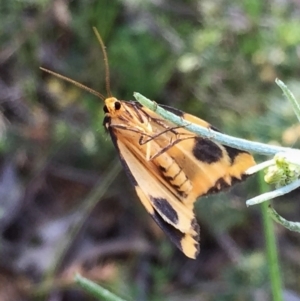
[(66, 205)]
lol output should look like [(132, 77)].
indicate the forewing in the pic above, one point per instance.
[(173, 217)]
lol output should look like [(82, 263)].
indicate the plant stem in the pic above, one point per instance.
[(250, 146), (96, 290), (271, 247)]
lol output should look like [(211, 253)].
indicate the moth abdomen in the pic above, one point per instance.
[(174, 174)]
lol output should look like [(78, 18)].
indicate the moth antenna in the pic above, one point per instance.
[(67, 79), (107, 74)]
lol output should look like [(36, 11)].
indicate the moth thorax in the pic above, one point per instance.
[(174, 174)]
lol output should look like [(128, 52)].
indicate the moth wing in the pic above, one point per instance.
[(211, 166), (172, 216), (239, 160)]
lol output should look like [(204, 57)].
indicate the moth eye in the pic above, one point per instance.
[(117, 105), (105, 109)]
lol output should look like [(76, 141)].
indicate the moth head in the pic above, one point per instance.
[(112, 107)]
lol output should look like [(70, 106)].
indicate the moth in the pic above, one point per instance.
[(169, 166)]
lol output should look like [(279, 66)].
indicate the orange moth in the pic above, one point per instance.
[(169, 166)]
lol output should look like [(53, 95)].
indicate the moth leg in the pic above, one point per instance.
[(171, 144), (126, 128), (170, 129)]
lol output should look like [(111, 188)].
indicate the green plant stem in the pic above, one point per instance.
[(96, 290), (271, 247), (251, 146), (273, 194), (292, 226), (290, 96)]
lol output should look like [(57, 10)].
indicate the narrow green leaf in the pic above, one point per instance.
[(292, 226), (238, 143), (96, 290), (290, 96), (271, 247)]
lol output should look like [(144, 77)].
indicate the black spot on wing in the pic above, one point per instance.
[(237, 180), (214, 128), (233, 152), (206, 150), (163, 206), (134, 104), (220, 184), (174, 234), (196, 227), (173, 110)]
